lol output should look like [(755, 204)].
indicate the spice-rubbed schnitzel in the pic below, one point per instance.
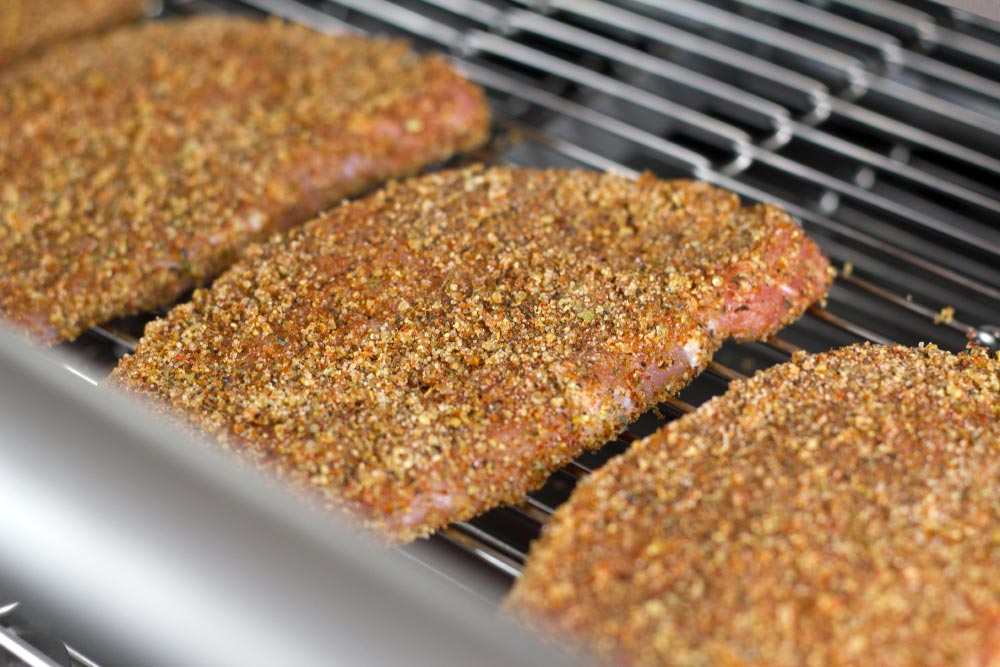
[(139, 164), (840, 509), (437, 348), (28, 26)]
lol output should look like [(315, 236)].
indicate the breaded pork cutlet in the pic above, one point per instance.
[(840, 509), (139, 164), (439, 347), (28, 26)]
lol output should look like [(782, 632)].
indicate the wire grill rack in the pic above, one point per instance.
[(874, 122)]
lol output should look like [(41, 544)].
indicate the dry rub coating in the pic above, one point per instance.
[(139, 164), (437, 348), (28, 26), (840, 509)]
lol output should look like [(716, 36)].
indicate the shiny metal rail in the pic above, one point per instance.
[(126, 542), (17, 647), (24, 652)]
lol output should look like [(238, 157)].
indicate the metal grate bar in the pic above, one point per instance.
[(471, 9), (672, 152), (112, 334), (570, 150), (584, 40), (815, 176), (79, 658), (775, 116), (775, 39), (481, 550), (697, 125), (486, 538), (115, 335), (895, 167), (914, 136), (969, 46), (943, 109), (977, 23), (22, 651), (406, 19), (680, 407), (772, 76), (952, 75), (782, 346), (908, 304), (300, 13), (943, 112), (535, 509), (804, 94), (579, 470), (724, 372), (911, 26), (754, 110), (880, 49), (843, 73), (627, 436), (860, 332)]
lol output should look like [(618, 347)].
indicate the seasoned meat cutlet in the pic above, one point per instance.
[(839, 509), (439, 347), (140, 164), (27, 26)]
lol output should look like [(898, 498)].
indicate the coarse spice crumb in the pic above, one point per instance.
[(839, 509), (136, 165), (439, 347), (946, 315), (28, 26)]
